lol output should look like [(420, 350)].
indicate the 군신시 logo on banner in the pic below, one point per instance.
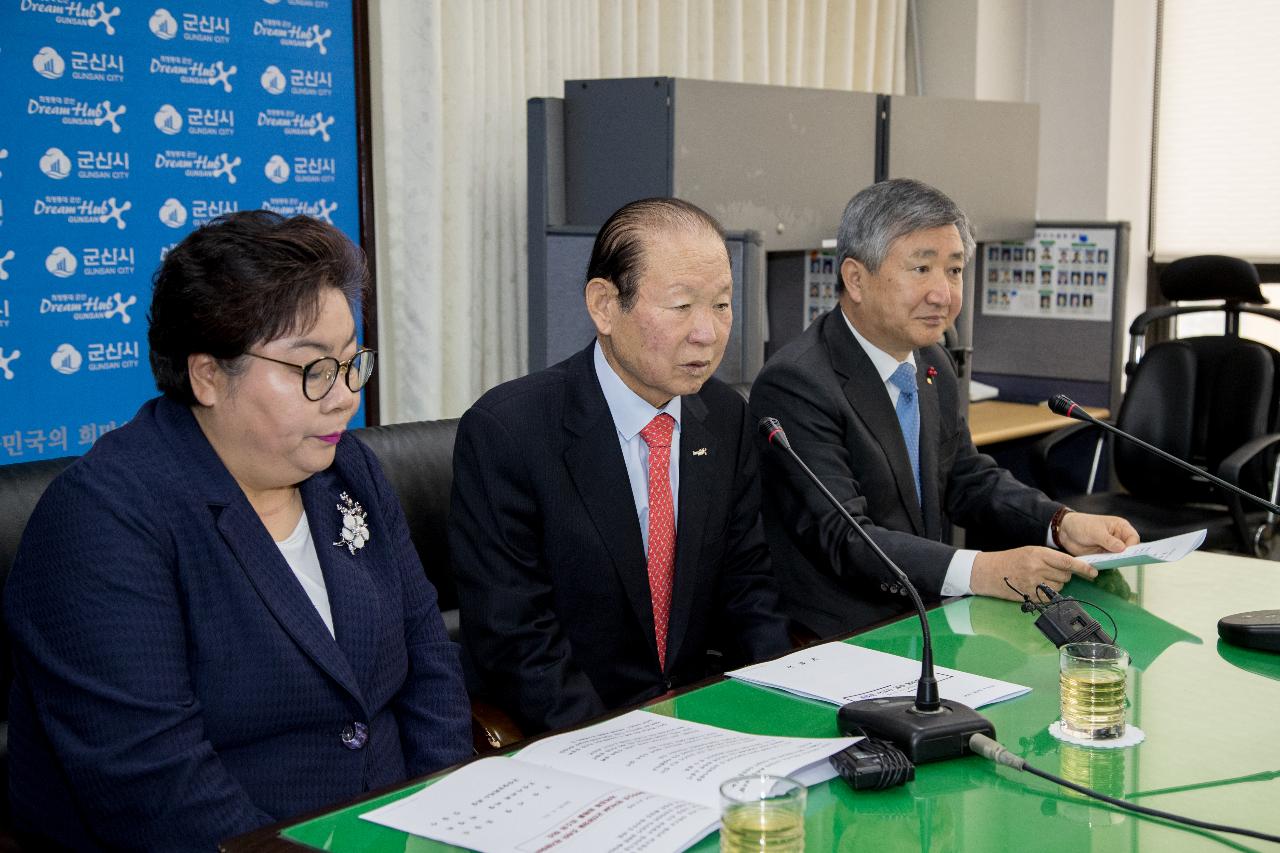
[(193, 72), (4, 316), (173, 214), (113, 355), (61, 262), (315, 170), (88, 66), (293, 206), (73, 111), (77, 210), (95, 261), (198, 121), (77, 14), (294, 123), (82, 306), (290, 34), (193, 164), (66, 359), (194, 27), (277, 169), (299, 82), (205, 209), (5, 257), (98, 164), (55, 164)]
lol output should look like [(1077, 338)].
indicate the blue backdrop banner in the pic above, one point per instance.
[(123, 126)]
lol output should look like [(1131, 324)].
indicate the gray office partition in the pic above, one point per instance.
[(563, 326), (777, 160)]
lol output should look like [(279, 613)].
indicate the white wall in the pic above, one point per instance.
[(1089, 64)]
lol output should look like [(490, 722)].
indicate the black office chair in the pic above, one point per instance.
[(1213, 401)]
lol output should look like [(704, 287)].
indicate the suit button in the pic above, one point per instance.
[(355, 735), (884, 587), (893, 588)]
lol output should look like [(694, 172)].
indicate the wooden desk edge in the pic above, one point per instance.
[(994, 421)]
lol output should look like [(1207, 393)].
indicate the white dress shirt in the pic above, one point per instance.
[(299, 551), (960, 569), (631, 413)]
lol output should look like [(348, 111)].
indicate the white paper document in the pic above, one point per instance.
[(500, 804), (1160, 551), (638, 782), (840, 673)]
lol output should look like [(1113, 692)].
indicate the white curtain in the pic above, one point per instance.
[(451, 79)]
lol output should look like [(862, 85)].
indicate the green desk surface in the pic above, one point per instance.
[(1211, 714)]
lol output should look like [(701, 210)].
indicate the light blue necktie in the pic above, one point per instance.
[(909, 416)]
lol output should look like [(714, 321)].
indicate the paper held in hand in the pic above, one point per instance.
[(638, 782), (1160, 551), (841, 673)]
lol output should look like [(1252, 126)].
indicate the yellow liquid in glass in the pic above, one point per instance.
[(753, 827), (1093, 703)]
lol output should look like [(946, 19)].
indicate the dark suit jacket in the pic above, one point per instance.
[(174, 683), (836, 412), (549, 560)]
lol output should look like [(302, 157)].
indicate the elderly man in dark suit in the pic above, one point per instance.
[(870, 400), (606, 528)]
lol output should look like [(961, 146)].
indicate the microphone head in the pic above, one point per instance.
[(772, 431), (1061, 404)]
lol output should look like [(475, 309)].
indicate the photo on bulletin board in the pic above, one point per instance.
[(1061, 273), (123, 127), (820, 293)]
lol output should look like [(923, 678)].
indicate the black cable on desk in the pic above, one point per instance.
[(988, 748)]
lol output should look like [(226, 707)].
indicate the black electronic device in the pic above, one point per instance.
[(925, 728), (1062, 620), (1257, 629)]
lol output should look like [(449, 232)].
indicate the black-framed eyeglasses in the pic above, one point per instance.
[(319, 376)]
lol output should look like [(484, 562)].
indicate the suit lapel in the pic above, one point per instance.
[(594, 461), (695, 502), (251, 545), (266, 569), (353, 597), (927, 394), (870, 401)]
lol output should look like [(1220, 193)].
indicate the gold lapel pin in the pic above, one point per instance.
[(701, 451)]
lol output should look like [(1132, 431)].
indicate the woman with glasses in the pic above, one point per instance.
[(219, 620)]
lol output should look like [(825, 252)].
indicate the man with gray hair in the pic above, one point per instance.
[(869, 400)]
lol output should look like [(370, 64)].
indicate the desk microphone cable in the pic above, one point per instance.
[(993, 750)]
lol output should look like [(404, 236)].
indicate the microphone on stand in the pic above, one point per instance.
[(1061, 404), (1256, 629), (925, 727)]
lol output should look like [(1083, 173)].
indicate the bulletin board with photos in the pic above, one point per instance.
[(820, 291), (1061, 273)]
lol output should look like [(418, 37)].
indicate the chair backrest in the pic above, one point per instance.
[(418, 461), (21, 486), (1200, 398)]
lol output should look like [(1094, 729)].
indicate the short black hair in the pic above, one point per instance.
[(618, 253), (243, 279)]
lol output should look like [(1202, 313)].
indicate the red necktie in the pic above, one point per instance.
[(662, 526)]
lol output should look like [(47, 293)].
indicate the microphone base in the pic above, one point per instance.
[(922, 737)]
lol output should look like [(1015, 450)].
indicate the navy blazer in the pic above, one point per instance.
[(553, 584), (826, 392), (175, 685)]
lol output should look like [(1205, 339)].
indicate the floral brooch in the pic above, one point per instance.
[(355, 527), (930, 373)]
